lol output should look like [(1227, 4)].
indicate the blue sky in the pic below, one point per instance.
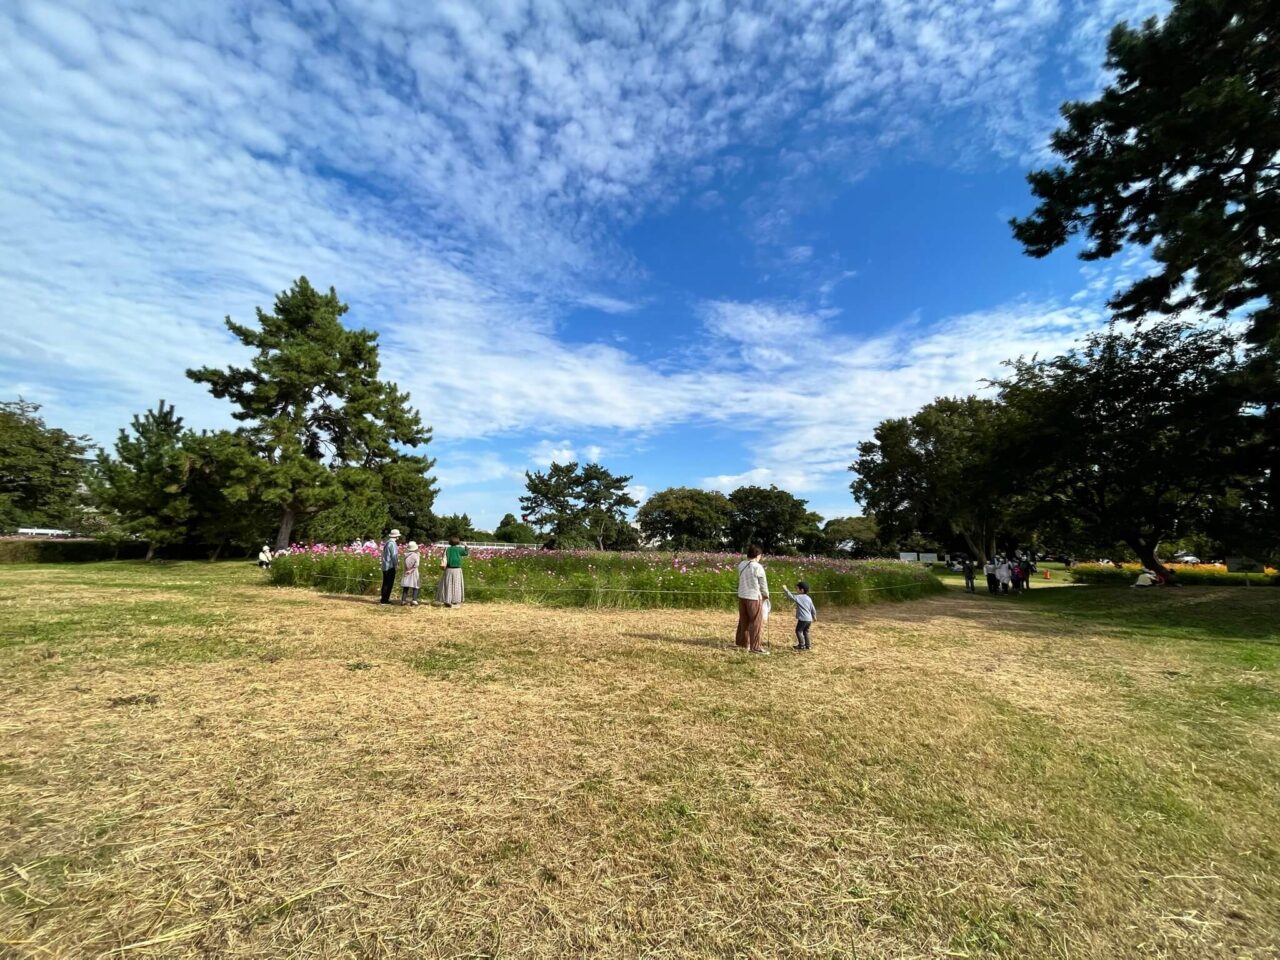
[(706, 244)]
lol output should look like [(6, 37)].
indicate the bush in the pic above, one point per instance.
[(571, 578), (68, 551), (1204, 574)]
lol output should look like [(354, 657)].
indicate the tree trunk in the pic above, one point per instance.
[(978, 551), (151, 552), (217, 551), (1146, 551), (286, 528)]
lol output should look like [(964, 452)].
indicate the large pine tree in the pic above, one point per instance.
[(313, 404)]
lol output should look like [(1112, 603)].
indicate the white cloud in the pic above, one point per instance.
[(607, 304), (546, 453), (766, 335)]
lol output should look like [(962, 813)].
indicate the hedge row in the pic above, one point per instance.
[(1205, 575), (68, 551)]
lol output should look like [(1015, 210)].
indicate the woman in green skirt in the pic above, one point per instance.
[(450, 592)]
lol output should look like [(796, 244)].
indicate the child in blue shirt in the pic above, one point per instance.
[(806, 613)]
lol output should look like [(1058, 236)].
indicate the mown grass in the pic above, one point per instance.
[(196, 764)]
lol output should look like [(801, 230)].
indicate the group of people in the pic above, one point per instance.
[(449, 591), (1004, 574), (754, 605)]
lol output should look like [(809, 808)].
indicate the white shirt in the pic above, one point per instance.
[(752, 582)]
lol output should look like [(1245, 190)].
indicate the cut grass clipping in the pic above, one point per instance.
[(621, 580)]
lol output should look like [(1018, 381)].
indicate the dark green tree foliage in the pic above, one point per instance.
[(458, 525), (856, 537), (578, 506), (511, 530), (146, 483), (937, 473), (684, 518), (605, 502), (1135, 434), (551, 503), (313, 404), (41, 469), (409, 495), (222, 485), (1180, 152), (360, 512), (774, 519)]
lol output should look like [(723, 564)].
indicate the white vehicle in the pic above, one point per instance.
[(1186, 558)]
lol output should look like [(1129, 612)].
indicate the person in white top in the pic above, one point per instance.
[(753, 593), (1004, 573), (264, 556)]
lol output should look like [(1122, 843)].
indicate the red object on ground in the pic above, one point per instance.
[(1046, 575)]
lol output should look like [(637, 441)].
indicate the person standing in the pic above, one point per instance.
[(450, 592), (968, 569), (806, 614), (1004, 573), (989, 568), (753, 591), (410, 582), (390, 554)]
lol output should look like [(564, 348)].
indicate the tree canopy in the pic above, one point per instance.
[(146, 482), (686, 518), (579, 505), (936, 472), (511, 530), (313, 405), (41, 469), (1181, 153), (1135, 434), (771, 518)]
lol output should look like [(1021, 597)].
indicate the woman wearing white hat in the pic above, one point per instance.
[(390, 554), (409, 583)]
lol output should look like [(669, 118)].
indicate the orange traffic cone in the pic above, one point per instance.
[(1046, 575)]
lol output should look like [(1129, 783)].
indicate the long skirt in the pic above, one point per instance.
[(750, 624), (450, 590)]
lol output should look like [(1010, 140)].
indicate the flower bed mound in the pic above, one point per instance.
[(627, 580)]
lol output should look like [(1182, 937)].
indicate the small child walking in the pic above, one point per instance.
[(806, 613)]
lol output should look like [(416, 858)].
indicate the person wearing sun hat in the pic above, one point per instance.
[(410, 582), (390, 554)]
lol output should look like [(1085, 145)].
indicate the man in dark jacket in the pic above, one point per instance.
[(390, 555)]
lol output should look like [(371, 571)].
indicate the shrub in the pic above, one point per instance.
[(1204, 574), (68, 551), (572, 578)]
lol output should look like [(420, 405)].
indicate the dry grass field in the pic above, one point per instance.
[(193, 764)]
